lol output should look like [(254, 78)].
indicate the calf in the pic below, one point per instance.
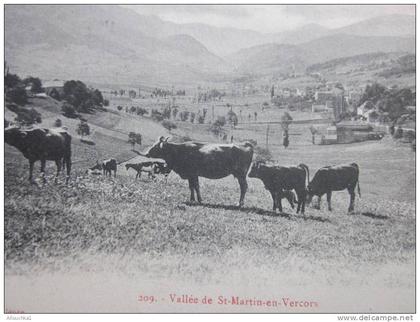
[(335, 178), (40, 144), (147, 167), (161, 168), (108, 166), (279, 179)]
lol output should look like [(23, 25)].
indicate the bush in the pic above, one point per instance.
[(192, 117), (262, 154), (119, 107), (69, 110), (141, 111), (28, 117), (157, 116), (106, 102), (168, 125)]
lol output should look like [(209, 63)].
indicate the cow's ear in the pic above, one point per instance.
[(161, 139)]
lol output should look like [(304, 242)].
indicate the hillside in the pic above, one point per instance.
[(109, 132)]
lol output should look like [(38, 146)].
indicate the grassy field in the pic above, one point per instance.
[(98, 243)]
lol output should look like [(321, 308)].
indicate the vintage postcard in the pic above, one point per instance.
[(209, 158)]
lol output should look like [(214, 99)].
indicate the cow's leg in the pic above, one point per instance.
[(68, 167), (352, 197), (318, 205), (191, 185), (31, 170), (115, 173), (301, 197), (58, 163), (197, 189), (275, 196), (329, 194), (43, 162), (244, 186)]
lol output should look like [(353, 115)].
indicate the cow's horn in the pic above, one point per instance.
[(166, 140)]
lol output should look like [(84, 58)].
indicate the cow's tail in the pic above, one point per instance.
[(358, 185), (305, 167)]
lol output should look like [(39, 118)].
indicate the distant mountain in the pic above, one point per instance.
[(300, 35), (102, 43), (271, 58), (99, 43), (387, 26)]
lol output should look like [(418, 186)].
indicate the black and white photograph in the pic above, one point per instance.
[(210, 158)]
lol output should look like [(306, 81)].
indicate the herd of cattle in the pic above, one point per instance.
[(191, 160)]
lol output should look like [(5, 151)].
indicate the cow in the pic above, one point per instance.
[(41, 144), (161, 168), (108, 166), (191, 160), (147, 167), (278, 179), (334, 178)]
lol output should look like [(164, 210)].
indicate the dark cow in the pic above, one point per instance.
[(40, 144), (108, 166), (335, 178), (191, 160), (147, 167), (278, 179)]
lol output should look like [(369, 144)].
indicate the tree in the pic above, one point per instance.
[(134, 138), (83, 128), (272, 91), (232, 118), (106, 102), (119, 107), (68, 110), (174, 112), (217, 126), (17, 95), (192, 117), (11, 80), (58, 123), (35, 82), (55, 94), (285, 120), (28, 116), (184, 115)]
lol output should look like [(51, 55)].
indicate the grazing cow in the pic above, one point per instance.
[(147, 167), (108, 166), (191, 160), (290, 196), (40, 144), (335, 178), (161, 168), (278, 179)]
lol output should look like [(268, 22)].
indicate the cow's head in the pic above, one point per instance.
[(15, 136), (156, 151), (255, 169)]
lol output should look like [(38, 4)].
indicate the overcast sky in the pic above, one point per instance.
[(271, 18)]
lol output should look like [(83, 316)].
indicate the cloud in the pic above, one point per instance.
[(270, 18)]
